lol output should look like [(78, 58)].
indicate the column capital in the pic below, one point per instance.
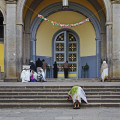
[(115, 1), (108, 23), (11, 1)]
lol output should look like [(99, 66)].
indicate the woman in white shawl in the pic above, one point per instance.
[(104, 71), (76, 94), (41, 75)]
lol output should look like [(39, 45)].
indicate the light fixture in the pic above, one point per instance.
[(65, 3)]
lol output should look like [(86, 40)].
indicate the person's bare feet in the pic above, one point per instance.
[(74, 105), (78, 106)]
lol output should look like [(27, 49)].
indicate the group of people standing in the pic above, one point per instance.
[(55, 69)]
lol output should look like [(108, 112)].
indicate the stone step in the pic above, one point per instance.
[(80, 80), (56, 101), (54, 87), (1, 80), (40, 85), (73, 80), (63, 89), (56, 96), (36, 95), (55, 105), (55, 93), (113, 80)]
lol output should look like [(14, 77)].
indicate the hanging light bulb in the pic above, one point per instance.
[(65, 3)]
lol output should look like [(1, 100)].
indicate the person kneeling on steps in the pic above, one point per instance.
[(76, 94)]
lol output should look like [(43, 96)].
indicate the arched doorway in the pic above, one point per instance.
[(66, 48), (92, 59)]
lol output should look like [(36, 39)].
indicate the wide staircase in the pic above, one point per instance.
[(35, 95)]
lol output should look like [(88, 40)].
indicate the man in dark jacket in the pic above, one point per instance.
[(66, 66), (32, 66)]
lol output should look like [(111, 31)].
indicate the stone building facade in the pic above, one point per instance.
[(22, 35)]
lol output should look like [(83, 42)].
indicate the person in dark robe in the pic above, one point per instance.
[(66, 67), (39, 64), (32, 66), (55, 69)]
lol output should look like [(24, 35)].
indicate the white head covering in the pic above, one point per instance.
[(104, 62), (42, 72), (31, 60), (40, 68)]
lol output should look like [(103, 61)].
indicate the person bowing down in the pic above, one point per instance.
[(76, 94)]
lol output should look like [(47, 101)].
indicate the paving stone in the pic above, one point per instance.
[(61, 114)]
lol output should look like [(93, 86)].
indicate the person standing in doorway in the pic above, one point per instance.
[(55, 69), (66, 66)]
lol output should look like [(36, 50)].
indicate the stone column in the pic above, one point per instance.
[(4, 23), (10, 42), (19, 49), (116, 38), (27, 48), (33, 50), (103, 45), (109, 48), (98, 46)]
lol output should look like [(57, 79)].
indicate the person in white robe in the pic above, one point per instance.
[(104, 71), (76, 94), (25, 75), (41, 75)]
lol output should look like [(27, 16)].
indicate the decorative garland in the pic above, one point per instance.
[(63, 25)]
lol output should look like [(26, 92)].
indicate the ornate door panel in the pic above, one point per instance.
[(72, 55), (66, 47)]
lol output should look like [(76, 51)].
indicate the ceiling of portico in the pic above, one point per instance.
[(96, 6)]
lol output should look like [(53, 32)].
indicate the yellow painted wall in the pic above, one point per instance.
[(46, 31), (2, 57)]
